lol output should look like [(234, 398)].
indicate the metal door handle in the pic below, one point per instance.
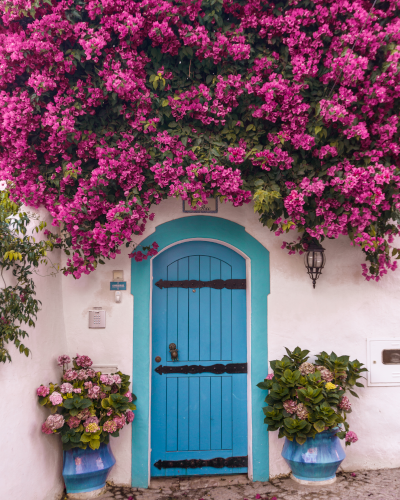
[(174, 352)]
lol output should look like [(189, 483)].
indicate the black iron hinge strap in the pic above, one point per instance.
[(217, 284), (193, 369), (196, 463)]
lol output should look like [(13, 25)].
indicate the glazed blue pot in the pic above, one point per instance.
[(87, 470), (317, 459)]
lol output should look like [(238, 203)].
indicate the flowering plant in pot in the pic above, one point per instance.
[(87, 407), (307, 404)]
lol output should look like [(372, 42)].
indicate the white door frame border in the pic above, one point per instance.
[(248, 334)]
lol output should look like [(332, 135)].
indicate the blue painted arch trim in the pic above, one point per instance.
[(167, 234)]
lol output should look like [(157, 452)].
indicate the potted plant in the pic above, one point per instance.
[(307, 404), (87, 407)]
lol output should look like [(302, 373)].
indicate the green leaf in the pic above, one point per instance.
[(319, 426), (94, 444)]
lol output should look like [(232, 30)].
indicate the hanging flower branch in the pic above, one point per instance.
[(109, 107)]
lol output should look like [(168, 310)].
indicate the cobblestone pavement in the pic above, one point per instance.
[(363, 485)]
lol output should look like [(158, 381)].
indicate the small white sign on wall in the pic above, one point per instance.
[(383, 362)]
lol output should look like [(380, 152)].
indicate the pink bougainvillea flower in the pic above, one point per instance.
[(325, 163)]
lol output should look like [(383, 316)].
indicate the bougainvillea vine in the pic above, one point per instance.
[(110, 106)]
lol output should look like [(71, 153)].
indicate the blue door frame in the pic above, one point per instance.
[(224, 232)]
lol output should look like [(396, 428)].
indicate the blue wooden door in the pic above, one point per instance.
[(198, 416)]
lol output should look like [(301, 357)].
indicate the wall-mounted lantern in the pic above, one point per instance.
[(314, 260)]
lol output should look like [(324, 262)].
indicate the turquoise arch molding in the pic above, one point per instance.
[(167, 234)]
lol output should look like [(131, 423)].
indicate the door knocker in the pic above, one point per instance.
[(174, 352)]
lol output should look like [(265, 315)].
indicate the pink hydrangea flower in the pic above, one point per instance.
[(114, 379), (82, 375), (73, 422), (70, 375), (56, 398), (78, 390), (110, 426), (94, 392), (91, 420), (45, 429), (66, 388), (130, 416), (270, 376), (90, 373), (120, 421), (345, 404), (63, 360), (92, 427), (104, 379), (129, 396), (351, 437), (84, 414), (54, 422), (42, 391), (83, 361)]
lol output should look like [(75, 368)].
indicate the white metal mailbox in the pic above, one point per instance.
[(383, 362)]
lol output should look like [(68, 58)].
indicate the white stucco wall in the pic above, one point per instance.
[(31, 462), (340, 314)]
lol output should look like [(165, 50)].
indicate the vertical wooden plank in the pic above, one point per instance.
[(172, 414), (172, 309), (194, 413), (226, 383), (239, 414), (215, 312), (183, 414), (205, 413), (183, 312), (194, 318), (226, 315), (205, 310), (216, 414)]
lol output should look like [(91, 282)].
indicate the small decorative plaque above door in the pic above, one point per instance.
[(210, 208)]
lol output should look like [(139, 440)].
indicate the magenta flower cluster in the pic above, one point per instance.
[(108, 107)]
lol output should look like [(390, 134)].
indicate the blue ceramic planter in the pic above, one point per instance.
[(317, 459), (87, 470)]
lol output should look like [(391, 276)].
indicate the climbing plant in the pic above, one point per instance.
[(110, 106), (20, 254)]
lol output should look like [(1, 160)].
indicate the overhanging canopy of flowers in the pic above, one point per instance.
[(109, 106)]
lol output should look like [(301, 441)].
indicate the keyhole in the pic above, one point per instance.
[(194, 291)]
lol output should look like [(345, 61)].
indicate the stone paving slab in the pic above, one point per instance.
[(381, 484)]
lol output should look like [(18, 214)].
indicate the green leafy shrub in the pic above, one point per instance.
[(20, 254), (307, 398)]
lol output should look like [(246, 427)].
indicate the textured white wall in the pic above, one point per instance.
[(31, 462), (338, 315)]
